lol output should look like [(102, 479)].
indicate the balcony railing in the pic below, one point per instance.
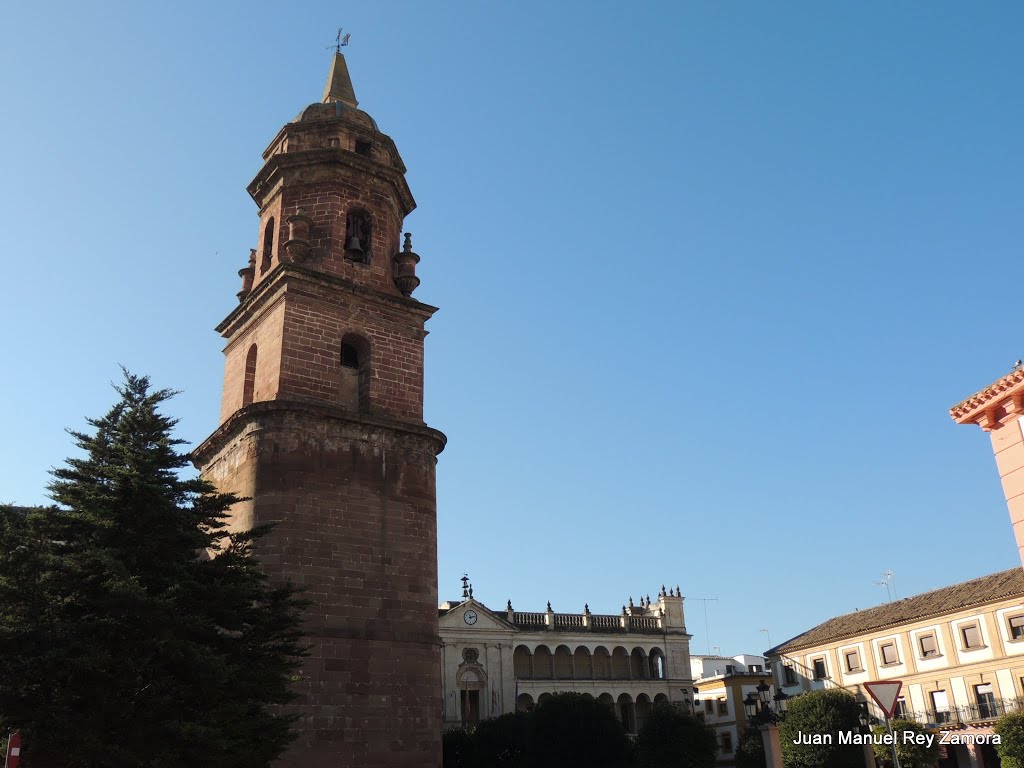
[(966, 714)]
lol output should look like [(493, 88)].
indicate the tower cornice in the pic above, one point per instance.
[(432, 439), (282, 274), (266, 180)]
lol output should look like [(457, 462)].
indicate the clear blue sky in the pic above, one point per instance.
[(710, 274)]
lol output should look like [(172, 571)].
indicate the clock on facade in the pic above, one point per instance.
[(469, 617)]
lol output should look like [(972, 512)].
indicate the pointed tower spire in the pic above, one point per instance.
[(339, 84)]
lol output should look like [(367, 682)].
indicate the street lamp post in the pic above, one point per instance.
[(865, 728), (688, 702), (764, 712)]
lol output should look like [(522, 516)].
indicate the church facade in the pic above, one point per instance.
[(322, 432), (495, 662)]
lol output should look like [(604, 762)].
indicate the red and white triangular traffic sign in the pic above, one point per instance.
[(14, 750), (885, 693)]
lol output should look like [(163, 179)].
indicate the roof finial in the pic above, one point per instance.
[(339, 84), (465, 587)]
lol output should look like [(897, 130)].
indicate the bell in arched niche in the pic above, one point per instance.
[(357, 237)]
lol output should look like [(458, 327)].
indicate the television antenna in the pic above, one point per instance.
[(886, 581), (340, 41), (706, 600)]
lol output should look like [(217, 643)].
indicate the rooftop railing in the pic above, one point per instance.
[(588, 621)]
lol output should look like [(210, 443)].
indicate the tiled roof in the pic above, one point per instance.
[(994, 390), (986, 589)]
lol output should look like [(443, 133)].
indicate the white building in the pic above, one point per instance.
[(721, 683), (500, 661)]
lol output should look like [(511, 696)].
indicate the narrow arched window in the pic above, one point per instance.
[(354, 390), (268, 246), (349, 356), (249, 385)]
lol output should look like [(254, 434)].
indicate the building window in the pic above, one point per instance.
[(755, 668), (853, 661), (726, 742), (723, 707), (929, 646), (889, 655), (986, 701), (820, 672), (268, 246), (709, 706), (249, 382), (901, 709), (354, 386), (940, 707), (1016, 625), (470, 707), (364, 148), (971, 635), (349, 356), (789, 674)]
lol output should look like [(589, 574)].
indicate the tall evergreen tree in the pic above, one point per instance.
[(135, 628)]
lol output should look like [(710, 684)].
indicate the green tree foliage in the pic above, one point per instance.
[(574, 729), (828, 711), (502, 742), (750, 750), (1010, 728), (910, 755), (671, 739), (458, 746), (122, 642)]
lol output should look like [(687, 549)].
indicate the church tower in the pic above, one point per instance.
[(322, 429)]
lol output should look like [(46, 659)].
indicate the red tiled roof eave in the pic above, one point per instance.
[(958, 597), (968, 408)]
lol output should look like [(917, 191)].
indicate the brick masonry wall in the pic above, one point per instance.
[(327, 192), (298, 339), (266, 332), (354, 505), (310, 368)]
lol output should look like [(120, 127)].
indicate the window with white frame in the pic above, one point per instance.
[(929, 645), (970, 635), (888, 653), (820, 671)]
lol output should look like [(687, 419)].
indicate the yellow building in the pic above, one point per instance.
[(721, 688), (959, 651)]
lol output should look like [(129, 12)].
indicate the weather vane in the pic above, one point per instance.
[(340, 41)]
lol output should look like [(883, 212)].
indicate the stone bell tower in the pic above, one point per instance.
[(322, 428)]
